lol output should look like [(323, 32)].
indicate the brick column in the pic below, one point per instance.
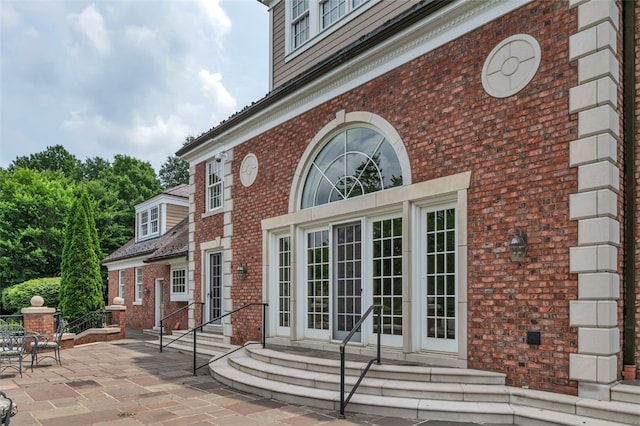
[(38, 318), (595, 204), (118, 315)]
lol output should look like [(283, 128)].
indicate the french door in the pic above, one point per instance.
[(213, 301), (347, 279)]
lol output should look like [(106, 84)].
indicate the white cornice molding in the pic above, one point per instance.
[(446, 25)]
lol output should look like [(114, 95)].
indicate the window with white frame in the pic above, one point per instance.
[(138, 286), (121, 283), (387, 273), (355, 162), (307, 18), (299, 22), (215, 185), (178, 284), (149, 222), (284, 281)]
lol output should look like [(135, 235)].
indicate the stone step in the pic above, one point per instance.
[(208, 344), (488, 412), (517, 406), (407, 372), (626, 393), (371, 385)]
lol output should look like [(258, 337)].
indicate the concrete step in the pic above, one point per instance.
[(384, 385), (518, 406), (415, 391), (626, 393), (384, 371), (488, 412), (207, 344)]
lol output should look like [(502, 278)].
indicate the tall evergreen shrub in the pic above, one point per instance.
[(81, 282)]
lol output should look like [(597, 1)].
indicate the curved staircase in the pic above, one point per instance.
[(413, 391)]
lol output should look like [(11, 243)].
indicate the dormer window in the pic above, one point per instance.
[(310, 18), (148, 222)]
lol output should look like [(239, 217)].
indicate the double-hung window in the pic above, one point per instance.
[(299, 22), (178, 284), (307, 19), (138, 287), (121, 283), (215, 185), (148, 222)]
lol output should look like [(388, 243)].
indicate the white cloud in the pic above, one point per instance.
[(219, 19), (213, 88), (140, 35), (91, 24)]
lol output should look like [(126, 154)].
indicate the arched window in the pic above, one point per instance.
[(354, 162)]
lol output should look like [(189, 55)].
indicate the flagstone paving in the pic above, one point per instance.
[(129, 382)]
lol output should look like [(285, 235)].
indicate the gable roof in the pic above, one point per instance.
[(174, 243)]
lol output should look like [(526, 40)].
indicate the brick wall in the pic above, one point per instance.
[(517, 150), (143, 316)]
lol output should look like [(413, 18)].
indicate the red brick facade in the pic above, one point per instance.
[(518, 152), (142, 316)]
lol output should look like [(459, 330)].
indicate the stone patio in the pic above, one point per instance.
[(128, 382)]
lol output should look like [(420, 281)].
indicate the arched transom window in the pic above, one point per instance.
[(356, 161)]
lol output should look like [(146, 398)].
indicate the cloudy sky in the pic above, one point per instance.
[(132, 77)]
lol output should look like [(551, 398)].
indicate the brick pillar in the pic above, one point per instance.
[(38, 318), (119, 315)]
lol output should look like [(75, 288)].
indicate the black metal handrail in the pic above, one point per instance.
[(262, 327), (356, 327), (172, 314), (95, 319)]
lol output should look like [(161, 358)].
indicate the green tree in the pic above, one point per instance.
[(81, 282), (175, 171), (33, 208), (55, 158)]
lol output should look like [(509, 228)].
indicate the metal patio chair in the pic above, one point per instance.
[(48, 344), (12, 347), (7, 409)]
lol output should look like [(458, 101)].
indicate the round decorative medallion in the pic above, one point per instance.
[(249, 170), (511, 65)]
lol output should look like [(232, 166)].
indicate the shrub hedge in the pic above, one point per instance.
[(19, 296)]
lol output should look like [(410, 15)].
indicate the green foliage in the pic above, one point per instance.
[(36, 193), (173, 172), (33, 207), (81, 282), (19, 296), (54, 158)]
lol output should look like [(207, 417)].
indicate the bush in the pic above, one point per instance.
[(19, 296)]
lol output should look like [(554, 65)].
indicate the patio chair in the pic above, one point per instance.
[(48, 344), (7, 409), (12, 347)]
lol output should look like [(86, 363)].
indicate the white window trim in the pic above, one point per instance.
[(424, 342), (137, 289), (148, 223), (316, 32), (182, 296), (121, 276), (274, 293), (218, 167)]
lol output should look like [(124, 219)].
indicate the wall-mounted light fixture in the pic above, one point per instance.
[(146, 291), (518, 246), (241, 271)]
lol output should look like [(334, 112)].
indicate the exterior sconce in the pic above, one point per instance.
[(518, 246), (145, 291), (241, 271)]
